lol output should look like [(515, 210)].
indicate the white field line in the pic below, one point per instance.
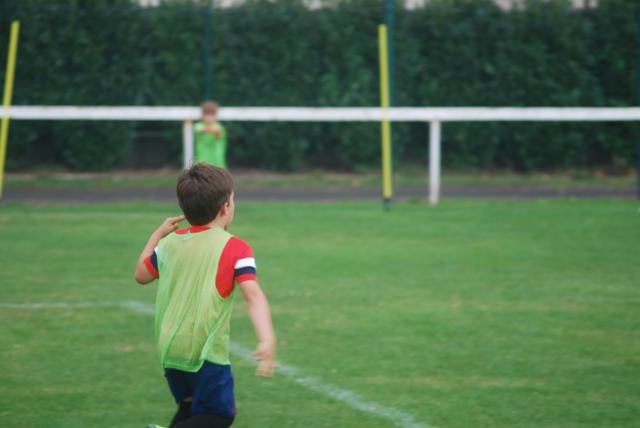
[(352, 399)]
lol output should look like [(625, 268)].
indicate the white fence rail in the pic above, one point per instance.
[(434, 115), (340, 114)]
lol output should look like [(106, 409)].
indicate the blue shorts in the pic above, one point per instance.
[(211, 388)]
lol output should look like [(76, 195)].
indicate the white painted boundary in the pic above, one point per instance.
[(434, 115), (350, 398)]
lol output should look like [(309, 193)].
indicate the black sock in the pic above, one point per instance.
[(206, 421), (182, 414)]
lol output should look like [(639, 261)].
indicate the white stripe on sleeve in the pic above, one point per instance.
[(248, 262)]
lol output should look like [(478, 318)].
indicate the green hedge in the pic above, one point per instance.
[(281, 53)]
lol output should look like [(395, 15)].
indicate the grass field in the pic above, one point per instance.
[(471, 314)]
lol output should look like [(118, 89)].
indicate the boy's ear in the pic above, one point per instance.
[(224, 209)]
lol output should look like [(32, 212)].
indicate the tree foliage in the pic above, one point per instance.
[(283, 53)]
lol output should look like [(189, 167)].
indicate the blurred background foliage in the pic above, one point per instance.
[(285, 53)]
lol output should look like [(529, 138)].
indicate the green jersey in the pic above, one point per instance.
[(192, 318), (211, 148)]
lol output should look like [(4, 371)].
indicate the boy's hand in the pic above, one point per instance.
[(213, 130), (168, 226), (142, 274), (265, 354)]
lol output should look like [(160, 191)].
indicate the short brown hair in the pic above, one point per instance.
[(202, 191), (209, 107)]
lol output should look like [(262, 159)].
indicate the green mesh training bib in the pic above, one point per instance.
[(192, 319)]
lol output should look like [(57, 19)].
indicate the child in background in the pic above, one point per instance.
[(199, 270), (210, 137)]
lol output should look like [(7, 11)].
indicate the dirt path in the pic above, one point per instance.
[(58, 195)]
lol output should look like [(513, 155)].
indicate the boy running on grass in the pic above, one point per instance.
[(198, 268)]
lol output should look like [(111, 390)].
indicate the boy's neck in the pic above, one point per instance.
[(217, 222)]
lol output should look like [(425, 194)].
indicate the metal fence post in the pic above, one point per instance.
[(434, 162), (638, 102), (389, 18), (207, 44), (187, 144)]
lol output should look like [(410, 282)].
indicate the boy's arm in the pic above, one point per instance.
[(213, 131), (260, 316), (142, 274)]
